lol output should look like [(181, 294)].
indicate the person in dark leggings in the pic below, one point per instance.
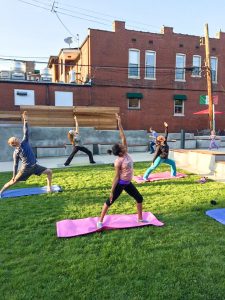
[(122, 179), (75, 139), (23, 152)]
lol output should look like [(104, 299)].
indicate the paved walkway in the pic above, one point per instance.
[(79, 160), (82, 160)]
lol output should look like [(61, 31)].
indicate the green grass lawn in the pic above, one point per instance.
[(185, 259)]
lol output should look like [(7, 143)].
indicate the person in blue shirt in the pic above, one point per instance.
[(23, 152), (153, 134)]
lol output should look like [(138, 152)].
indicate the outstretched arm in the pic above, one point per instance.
[(122, 135), (25, 126), (166, 130), (76, 124), (12, 181)]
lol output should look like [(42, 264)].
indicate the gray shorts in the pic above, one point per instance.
[(25, 173)]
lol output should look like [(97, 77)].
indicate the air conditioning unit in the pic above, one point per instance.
[(46, 75), (72, 76), (5, 75), (18, 76), (46, 78)]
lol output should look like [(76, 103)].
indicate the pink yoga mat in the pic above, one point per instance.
[(70, 228), (158, 176)]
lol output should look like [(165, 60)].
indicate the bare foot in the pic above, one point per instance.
[(49, 189)]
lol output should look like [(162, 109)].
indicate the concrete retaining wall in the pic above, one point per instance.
[(194, 161), (98, 141), (203, 142)]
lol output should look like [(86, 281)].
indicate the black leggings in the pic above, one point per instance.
[(75, 150), (130, 189)]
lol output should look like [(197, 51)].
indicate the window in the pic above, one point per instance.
[(178, 107), (134, 64), (24, 97), (196, 66), (134, 103), (63, 98), (214, 63), (150, 64), (180, 67)]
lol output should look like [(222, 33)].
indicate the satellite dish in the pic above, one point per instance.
[(68, 40)]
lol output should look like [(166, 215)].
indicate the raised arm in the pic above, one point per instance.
[(25, 126), (166, 130), (76, 124), (122, 135)]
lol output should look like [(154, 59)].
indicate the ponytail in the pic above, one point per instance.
[(70, 138)]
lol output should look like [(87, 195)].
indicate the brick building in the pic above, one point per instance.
[(151, 77)]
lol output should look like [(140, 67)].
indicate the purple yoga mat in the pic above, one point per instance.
[(70, 228), (158, 176)]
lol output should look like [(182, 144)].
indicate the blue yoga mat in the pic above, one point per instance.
[(29, 191), (217, 214)]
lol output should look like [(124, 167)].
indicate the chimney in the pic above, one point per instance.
[(30, 65), (220, 35), (166, 30), (118, 26)]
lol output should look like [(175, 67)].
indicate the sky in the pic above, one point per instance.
[(36, 29)]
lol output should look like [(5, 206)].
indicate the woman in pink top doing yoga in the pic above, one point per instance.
[(123, 176)]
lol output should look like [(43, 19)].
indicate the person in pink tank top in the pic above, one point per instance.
[(122, 179)]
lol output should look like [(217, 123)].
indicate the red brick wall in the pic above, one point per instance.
[(111, 49), (44, 93), (110, 84), (156, 106)]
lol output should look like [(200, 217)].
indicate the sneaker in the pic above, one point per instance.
[(99, 225), (66, 165), (93, 162), (145, 179)]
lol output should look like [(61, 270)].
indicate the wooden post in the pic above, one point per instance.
[(209, 78)]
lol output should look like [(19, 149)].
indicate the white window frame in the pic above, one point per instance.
[(195, 66), (134, 108), (184, 65), (154, 65), (66, 98), (24, 97), (179, 114), (138, 63), (216, 59)]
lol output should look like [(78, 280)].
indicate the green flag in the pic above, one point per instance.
[(204, 99)]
